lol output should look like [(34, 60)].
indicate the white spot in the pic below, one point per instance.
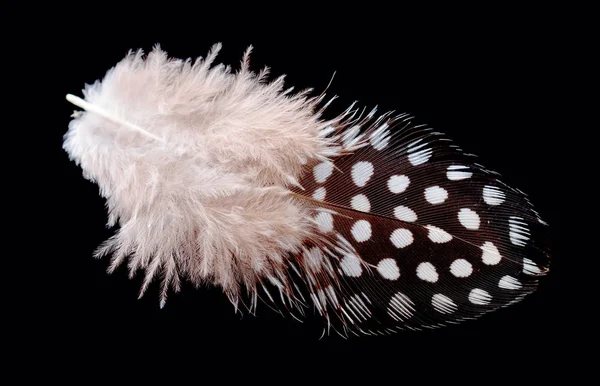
[(379, 139), (360, 202), (436, 195), (401, 238), (322, 298), (426, 271), (361, 230), (362, 172), (405, 214), (509, 282), (493, 195), (319, 193), (322, 171), (324, 222), (479, 297), (469, 218), (443, 304), (401, 307), (380, 143), (331, 295), (461, 268), (398, 184), (317, 302), (438, 235), (324, 132), (162, 303), (388, 269), (530, 268), (458, 172), (357, 306), (491, 255), (351, 266), (417, 155), (313, 258), (518, 231), (351, 136)]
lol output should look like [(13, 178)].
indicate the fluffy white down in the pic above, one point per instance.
[(209, 204)]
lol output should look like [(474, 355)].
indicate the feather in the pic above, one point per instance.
[(438, 238), (222, 177)]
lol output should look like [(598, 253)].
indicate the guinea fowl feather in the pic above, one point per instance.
[(222, 177)]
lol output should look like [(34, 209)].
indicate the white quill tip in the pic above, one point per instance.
[(105, 114)]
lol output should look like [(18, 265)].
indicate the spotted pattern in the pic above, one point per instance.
[(519, 231), (458, 172), (401, 238), (480, 297), (362, 173), (469, 218), (319, 193), (323, 171), (438, 235), (420, 234), (380, 137), (509, 283), (530, 268), (427, 272), (443, 304), (351, 265), (404, 213), (436, 195), (418, 153), (461, 268), (388, 269), (324, 222), (493, 195), (361, 231), (401, 307), (361, 203), (398, 183), (490, 255)]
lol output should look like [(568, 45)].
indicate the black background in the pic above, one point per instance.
[(490, 81)]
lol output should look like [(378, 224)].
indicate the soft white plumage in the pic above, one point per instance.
[(209, 202)]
